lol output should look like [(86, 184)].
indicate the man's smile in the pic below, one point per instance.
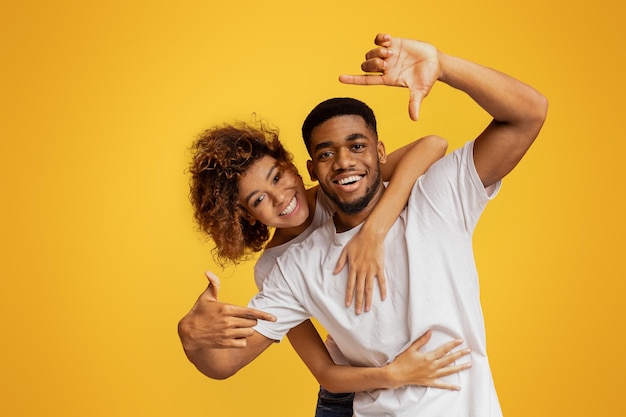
[(349, 180)]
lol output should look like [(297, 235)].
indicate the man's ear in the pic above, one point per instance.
[(309, 166), (382, 153)]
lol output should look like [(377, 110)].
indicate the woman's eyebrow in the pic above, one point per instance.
[(269, 175)]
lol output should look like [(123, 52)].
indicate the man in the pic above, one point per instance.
[(432, 279)]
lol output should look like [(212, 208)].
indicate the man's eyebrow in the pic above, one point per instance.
[(355, 136), (349, 138), (267, 177), (322, 145)]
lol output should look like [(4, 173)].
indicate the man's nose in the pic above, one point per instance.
[(344, 159)]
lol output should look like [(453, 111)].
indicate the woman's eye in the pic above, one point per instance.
[(276, 179), (258, 201)]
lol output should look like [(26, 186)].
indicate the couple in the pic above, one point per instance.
[(429, 285)]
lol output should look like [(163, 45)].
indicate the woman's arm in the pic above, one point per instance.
[(364, 253), (412, 367)]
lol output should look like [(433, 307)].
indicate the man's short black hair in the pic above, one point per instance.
[(339, 106)]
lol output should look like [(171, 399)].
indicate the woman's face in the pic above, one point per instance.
[(273, 195)]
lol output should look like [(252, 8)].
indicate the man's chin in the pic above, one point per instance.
[(354, 206)]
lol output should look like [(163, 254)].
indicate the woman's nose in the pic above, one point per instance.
[(278, 196)]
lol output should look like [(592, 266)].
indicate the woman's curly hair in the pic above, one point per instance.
[(221, 156)]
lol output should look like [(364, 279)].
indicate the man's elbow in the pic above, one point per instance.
[(216, 373), (539, 110), (531, 123), (212, 367)]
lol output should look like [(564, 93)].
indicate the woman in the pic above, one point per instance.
[(244, 182)]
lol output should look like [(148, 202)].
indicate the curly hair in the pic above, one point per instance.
[(221, 156)]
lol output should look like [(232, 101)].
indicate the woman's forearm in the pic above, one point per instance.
[(335, 378), (407, 164)]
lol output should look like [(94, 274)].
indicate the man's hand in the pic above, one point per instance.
[(403, 63), (214, 325)]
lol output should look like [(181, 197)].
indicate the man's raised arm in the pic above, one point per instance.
[(517, 109)]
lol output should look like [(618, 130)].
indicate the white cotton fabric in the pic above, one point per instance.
[(265, 263), (431, 243)]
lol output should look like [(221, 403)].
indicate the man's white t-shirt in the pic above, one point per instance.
[(265, 263), (432, 283)]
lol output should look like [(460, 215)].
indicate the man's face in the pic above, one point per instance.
[(345, 160)]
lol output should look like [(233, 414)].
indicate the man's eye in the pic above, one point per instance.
[(325, 155), (358, 147)]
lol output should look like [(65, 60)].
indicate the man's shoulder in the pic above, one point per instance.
[(445, 178), (450, 164)]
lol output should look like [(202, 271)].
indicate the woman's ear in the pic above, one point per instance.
[(309, 166), (249, 218)]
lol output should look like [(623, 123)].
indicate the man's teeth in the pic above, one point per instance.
[(290, 208), (349, 180)]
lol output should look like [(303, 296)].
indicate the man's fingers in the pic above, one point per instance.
[(236, 343), (378, 54), (382, 39), (214, 284), (362, 79), (213, 279), (374, 65), (415, 101), (249, 313), (259, 315)]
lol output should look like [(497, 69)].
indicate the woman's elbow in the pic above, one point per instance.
[(437, 143)]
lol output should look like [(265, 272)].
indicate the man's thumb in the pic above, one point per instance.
[(415, 100), (214, 283)]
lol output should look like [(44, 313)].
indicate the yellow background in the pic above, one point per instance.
[(99, 254)]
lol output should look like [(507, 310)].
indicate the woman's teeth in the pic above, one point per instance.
[(290, 208)]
